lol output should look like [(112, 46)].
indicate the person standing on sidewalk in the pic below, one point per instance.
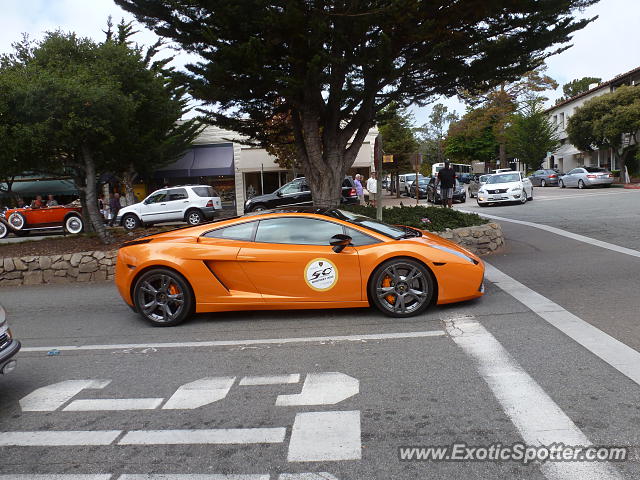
[(447, 180), (372, 187), (359, 189), (114, 207)]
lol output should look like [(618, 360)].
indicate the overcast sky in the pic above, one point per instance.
[(605, 48)]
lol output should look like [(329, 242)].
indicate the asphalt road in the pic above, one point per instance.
[(335, 394)]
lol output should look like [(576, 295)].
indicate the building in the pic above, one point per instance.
[(567, 156), (237, 171)]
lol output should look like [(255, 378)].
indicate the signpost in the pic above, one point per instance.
[(416, 161)]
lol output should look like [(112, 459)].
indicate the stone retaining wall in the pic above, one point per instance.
[(99, 265), (481, 239), (72, 267)]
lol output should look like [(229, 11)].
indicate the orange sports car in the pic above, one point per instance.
[(294, 258)]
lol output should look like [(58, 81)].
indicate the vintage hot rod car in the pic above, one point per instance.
[(22, 221)]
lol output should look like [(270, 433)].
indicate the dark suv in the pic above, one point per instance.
[(8, 345), (297, 193)]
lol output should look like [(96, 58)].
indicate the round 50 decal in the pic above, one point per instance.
[(320, 274)]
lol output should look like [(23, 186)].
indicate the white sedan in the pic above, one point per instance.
[(505, 187)]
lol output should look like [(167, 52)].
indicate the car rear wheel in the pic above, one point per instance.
[(130, 222), (73, 224), (4, 231), (401, 287), (581, 184), (258, 208), (163, 297), (194, 217)]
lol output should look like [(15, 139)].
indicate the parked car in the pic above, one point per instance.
[(476, 182), (505, 187), (465, 177), (433, 192), (297, 192), (422, 187), (405, 180), (294, 258), (23, 221), (583, 177), (544, 177), (185, 203), (9, 346)]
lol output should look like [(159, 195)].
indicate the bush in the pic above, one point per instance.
[(434, 219)]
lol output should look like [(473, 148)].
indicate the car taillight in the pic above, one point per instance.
[(552, 176), (611, 175), (210, 203), (352, 193), (591, 176)]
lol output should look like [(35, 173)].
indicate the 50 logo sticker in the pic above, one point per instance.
[(320, 274)]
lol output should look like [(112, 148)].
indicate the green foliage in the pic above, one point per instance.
[(335, 65), (432, 134), (472, 137), (530, 134), (577, 86), (438, 219), (398, 138)]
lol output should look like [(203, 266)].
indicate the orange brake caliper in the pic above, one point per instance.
[(386, 282)]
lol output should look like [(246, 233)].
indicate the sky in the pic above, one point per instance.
[(605, 48)]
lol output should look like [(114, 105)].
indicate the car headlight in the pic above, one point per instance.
[(517, 188), (456, 253)]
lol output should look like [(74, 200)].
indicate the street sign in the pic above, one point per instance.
[(387, 159)]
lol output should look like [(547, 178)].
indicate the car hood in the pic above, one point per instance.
[(130, 208), (497, 186)]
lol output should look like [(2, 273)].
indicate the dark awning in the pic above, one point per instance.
[(201, 161), (43, 187)]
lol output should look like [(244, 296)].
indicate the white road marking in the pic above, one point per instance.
[(106, 404), (326, 388), (53, 476), (536, 416), (210, 436), (564, 233), (52, 397), (579, 195), (325, 436), (272, 380), (200, 393), (193, 476), (620, 356), (58, 438), (231, 343), (307, 476)]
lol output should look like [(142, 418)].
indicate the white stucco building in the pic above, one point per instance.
[(567, 156), (218, 158)]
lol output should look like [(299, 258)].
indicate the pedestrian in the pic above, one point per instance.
[(51, 201), (447, 180), (359, 189), (114, 207), (372, 187)]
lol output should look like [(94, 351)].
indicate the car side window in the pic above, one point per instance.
[(177, 194), (359, 239), (297, 231), (575, 170), (243, 231), (157, 197), (293, 187)]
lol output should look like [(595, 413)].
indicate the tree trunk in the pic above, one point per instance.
[(91, 198), (503, 155), (127, 178), (325, 185)]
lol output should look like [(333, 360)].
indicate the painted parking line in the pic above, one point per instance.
[(215, 436), (270, 380), (53, 476), (58, 439), (113, 404), (172, 476), (239, 343), (563, 233), (539, 420), (620, 356), (325, 436)]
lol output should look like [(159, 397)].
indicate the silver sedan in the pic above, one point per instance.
[(583, 177)]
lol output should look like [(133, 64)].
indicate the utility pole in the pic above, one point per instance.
[(377, 157)]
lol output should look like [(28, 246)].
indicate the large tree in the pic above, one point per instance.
[(608, 121), (432, 134), (577, 86), (91, 108), (473, 137), (530, 134), (334, 64)]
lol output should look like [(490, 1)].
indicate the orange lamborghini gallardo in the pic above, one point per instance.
[(295, 258)]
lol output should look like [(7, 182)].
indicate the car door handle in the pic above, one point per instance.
[(163, 204), (246, 257)]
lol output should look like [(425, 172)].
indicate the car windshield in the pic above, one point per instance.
[(377, 226), (503, 178), (594, 169), (483, 178)]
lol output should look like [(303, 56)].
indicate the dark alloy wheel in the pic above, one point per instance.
[(401, 287), (163, 297), (130, 222), (194, 217)]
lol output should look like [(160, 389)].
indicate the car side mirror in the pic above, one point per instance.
[(339, 241), (279, 193)]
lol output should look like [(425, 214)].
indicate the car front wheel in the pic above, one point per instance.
[(163, 297), (561, 183), (401, 287), (130, 222), (581, 184)]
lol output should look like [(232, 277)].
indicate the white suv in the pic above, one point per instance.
[(186, 203)]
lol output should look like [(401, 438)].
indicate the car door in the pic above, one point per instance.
[(570, 178), (291, 261), (527, 184), (153, 208), (175, 204)]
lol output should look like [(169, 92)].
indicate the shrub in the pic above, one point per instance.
[(435, 219)]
